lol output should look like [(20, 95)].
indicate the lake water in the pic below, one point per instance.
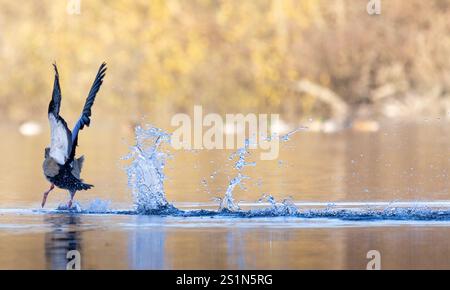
[(400, 166)]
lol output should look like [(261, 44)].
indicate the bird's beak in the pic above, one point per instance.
[(44, 199)]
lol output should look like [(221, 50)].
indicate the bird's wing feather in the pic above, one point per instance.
[(84, 119), (61, 137), (86, 113)]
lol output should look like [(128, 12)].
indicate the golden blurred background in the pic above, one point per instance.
[(324, 64), (301, 58)]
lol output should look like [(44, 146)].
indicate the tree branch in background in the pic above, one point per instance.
[(339, 108)]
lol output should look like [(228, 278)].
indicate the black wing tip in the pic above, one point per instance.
[(103, 66), (56, 95), (56, 68), (102, 70)]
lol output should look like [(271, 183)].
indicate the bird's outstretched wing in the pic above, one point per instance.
[(85, 119), (61, 137)]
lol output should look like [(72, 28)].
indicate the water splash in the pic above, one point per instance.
[(146, 171), (228, 203), (76, 207), (284, 208), (95, 206), (99, 206)]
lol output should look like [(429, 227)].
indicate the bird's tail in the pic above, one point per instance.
[(83, 186), (72, 183)]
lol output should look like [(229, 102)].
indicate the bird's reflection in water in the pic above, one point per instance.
[(63, 237)]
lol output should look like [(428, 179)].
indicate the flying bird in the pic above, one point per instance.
[(61, 168)]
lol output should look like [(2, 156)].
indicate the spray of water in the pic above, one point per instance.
[(146, 171), (95, 206)]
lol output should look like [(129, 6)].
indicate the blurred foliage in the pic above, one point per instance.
[(229, 56)]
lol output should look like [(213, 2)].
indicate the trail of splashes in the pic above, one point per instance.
[(146, 171), (288, 209)]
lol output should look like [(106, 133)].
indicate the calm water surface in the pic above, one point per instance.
[(401, 162)]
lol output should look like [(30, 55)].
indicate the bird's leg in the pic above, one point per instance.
[(72, 194), (44, 198)]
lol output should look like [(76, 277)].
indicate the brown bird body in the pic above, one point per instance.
[(51, 167)]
